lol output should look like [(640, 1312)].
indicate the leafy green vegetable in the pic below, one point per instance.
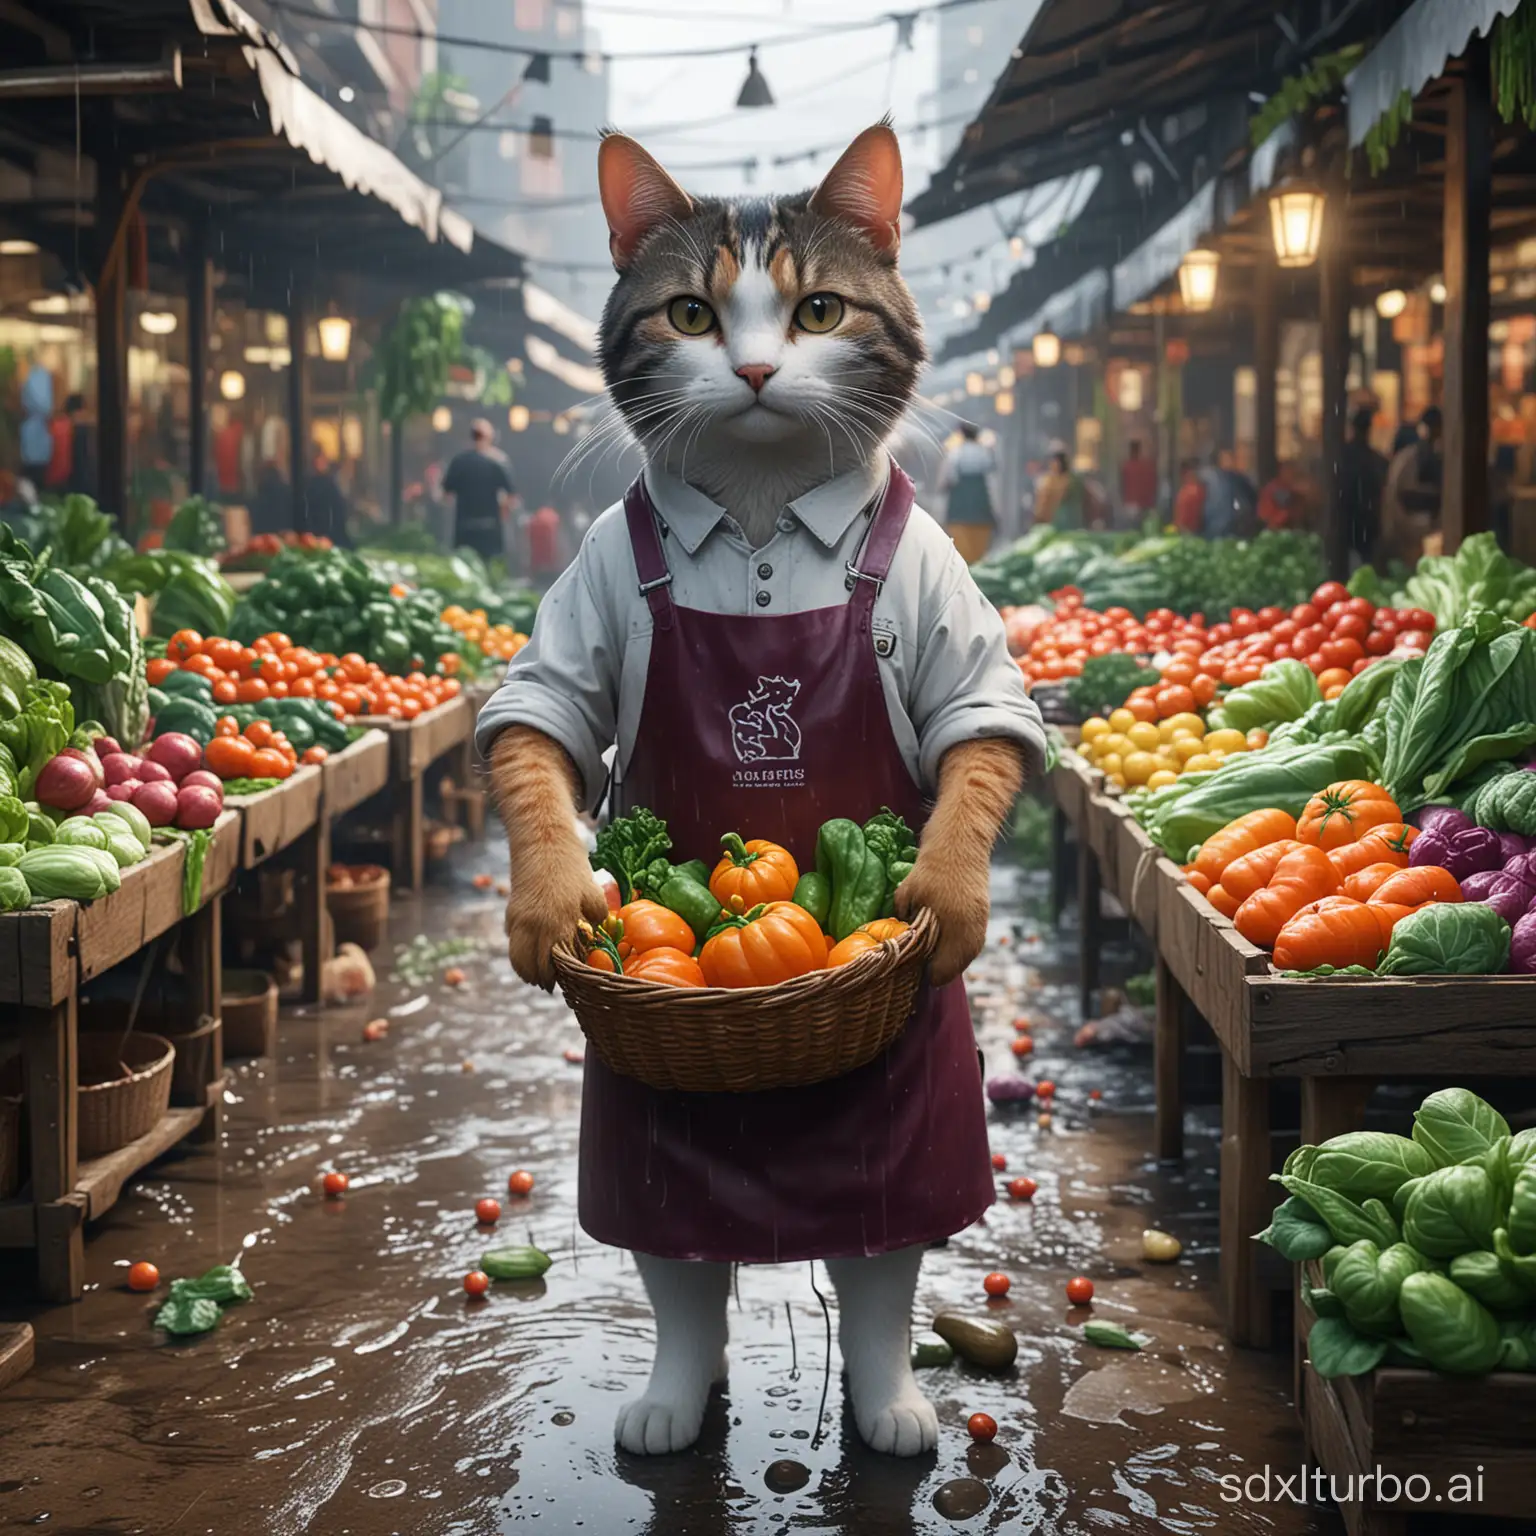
[(197, 527), (1319, 1299), (1113, 1336), (1451, 1211), (15, 893), (1454, 1126), (1365, 693), (1517, 1345), (1296, 1232), (1285, 690), (1522, 1211), (1486, 1277), (1105, 682), (1453, 938), (1347, 1221), (1478, 575), (1367, 1279), (629, 843), (188, 1314), (1337, 1349), (1457, 1334), (198, 844), (1364, 1163)]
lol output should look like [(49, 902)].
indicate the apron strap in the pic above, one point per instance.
[(650, 557), (867, 576)]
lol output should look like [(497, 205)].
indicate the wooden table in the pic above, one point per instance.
[(47, 953)]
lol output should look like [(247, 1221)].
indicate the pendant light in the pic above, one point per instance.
[(1391, 303), (754, 89), (1197, 279), (1046, 348), (1296, 222), (335, 337)]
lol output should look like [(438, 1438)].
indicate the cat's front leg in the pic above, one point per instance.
[(874, 1308), (689, 1300)]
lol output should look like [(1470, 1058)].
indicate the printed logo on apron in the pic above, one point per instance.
[(763, 731), (885, 639)]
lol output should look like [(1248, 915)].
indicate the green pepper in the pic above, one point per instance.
[(678, 891), (857, 876), (814, 893), (695, 869)]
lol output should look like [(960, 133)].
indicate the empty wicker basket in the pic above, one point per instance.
[(125, 1089), (249, 1008), (359, 908), (745, 1040)]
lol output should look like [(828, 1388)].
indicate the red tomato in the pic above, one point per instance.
[(1363, 606), (982, 1427), (1080, 1290), (999, 1161), (1379, 642), (1282, 650), (1417, 618), (1415, 639), (1328, 594), (143, 1276), (488, 1212), (1316, 662), (1203, 688), (1351, 626), (1341, 653), (1269, 617), (521, 1182), (1304, 614), (1335, 611), (996, 1284), (1284, 629), (1044, 1090), (477, 1283), (1308, 638), (1358, 667), (1022, 1045), (336, 1184), (1244, 621), (1022, 1189)]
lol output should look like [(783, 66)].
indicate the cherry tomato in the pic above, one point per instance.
[(520, 1182), (1328, 594), (999, 1162), (982, 1427), (1244, 621), (1095, 1094), (1022, 1189), (1358, 667), (1340, 652), (1080, 1290), (1351, 626), (1303, 614), (1285, 629), (143, 1276), (1023, 1025), (226, 692), (1415, 639), (1269, 617), (996, 1284), (1045, 1089), (336, 1184), (1379, 642), (315, 754), (477, 1283), (1022, 1045), (1417, 618), (184, 643), (1364, 607), (252, 690), (1307, 639), (488, 1211), (159, 669), (259, 733)]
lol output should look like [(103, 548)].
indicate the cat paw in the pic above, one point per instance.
[(905, 1425), (653, 1425)]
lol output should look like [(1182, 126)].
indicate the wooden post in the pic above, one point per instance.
[(199, 318), (1168, 1064), (203, 956), (298, 415), (1059, 859), (1247, 1199), (49, 1043), (111, 345), (1468, 200), (311, 857), (1333, 311), (1266, 364), (1090, 925)]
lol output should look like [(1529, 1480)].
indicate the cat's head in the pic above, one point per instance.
[(759, 325)]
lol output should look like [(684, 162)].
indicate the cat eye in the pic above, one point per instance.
[(693, 317), (820, 312)]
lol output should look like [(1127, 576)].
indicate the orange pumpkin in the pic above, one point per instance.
[(886, 928), (1340, 813), (765, 946), (756, 872), (649, 925), (669, 967), (859, 942)]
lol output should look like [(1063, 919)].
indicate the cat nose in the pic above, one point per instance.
[(756, 374)]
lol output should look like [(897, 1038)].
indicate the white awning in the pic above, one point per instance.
[(329, 139), (1157, 258), (1264, 165), (1421, 43), (543, 308), (579, 376)]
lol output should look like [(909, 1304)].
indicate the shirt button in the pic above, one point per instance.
[(786, 525), (763, 599), (764, 571)]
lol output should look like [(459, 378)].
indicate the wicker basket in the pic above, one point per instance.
[(115, 1109), (249, 1007), (360, 911), (745, 1040)]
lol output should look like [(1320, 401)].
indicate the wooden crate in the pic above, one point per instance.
[(356, 773), (276, 818)]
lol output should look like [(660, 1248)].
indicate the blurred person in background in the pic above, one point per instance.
[(968, 517), (545, 560), (1362, 476), (1138, 483), (1410, 500), (1059, 493), (479, 480), (324, 509), (1287, 501), (1189, 499)]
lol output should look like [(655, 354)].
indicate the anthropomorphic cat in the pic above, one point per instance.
[(767, 580)]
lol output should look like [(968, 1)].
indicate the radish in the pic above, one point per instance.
[(158, 803), (107, 746), (67, 781), (196, 807), (117, 766), (100, 801), (124, 791), (178, 753), (201, 776), (154, 773)]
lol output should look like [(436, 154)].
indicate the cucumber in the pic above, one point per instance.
[(929, 1349), (515, 1263)]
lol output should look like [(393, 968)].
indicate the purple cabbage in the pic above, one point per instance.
[(1443, 819), (1522, 946), (1430, 848), (1523, 865), (1514, 846), (1477, 887), (1510, 897), (1472, 850)]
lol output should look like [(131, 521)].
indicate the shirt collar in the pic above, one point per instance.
[(827, 509)]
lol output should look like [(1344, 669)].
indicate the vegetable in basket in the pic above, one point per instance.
[(754, 872), (627, 845), (666, 966), (855, 872), (786, 942), (680, 889), (895, 844)]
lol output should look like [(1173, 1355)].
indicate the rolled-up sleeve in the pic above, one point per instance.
[(565, 681), (965, 685)]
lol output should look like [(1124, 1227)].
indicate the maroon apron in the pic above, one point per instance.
[(768, 726)]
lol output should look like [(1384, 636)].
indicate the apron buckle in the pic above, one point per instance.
[(650, 586), (856, 575)]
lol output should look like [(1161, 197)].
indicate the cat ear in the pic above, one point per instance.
[(637, 195), (864, 187)]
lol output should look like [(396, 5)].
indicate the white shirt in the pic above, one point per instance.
[(948, 676)]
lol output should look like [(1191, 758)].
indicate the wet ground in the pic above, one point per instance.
[(361, 1392)]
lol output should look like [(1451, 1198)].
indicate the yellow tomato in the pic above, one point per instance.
[(1144, 735), (1116, 741), (1202, 762), (1095, 726), (1139, 767), (1257, 737), (1121, 720), (1186, 747), (1111, 763), (1227, 740), (1162, 778), (1175, 724)]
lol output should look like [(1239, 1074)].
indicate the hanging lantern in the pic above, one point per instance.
[(158, 322), (232, 384), (1046, 348), (1002, 402), (1391, 303), (1296, 222), (1128, 390), (754, 89), (1197, 279), (335, 338), (975, 384), (442, 419), (517, 418), (18, 248)]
